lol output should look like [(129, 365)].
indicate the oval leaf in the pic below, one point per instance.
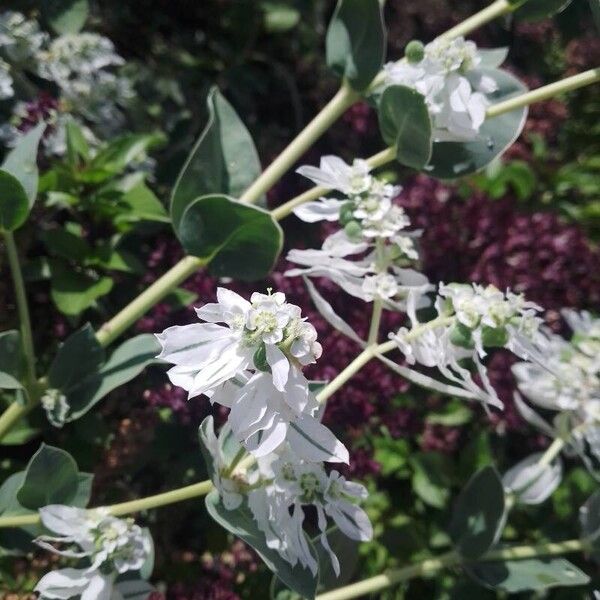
[(223, 160), (479, 514), (236, 239), (51, 477), (241, 523), (405, 123), (356, 41), (14, 204), (11, 360), (66, 16), (450, 160), (530, 574), (21, 161)]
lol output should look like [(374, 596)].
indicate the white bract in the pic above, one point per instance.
[(454, 87), (532, 482), (6, 81), (369, 256), (112, 546), (567, 381), (469, 320), (20, 38), (293, 483), (249, 358)]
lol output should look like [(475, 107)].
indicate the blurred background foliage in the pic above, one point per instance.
[(101, 234)]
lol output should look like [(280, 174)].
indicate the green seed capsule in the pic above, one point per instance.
[(494, 337), (461, 336), (347, 213), (414, 51), (353, 231), (260, 359)]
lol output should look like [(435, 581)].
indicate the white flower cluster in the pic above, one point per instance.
[(112, 546), (278, 487), (83, 67), (567, 382), (249, 358), (470, 318), (448, 74), (374, 232)]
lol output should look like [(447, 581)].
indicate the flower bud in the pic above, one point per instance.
[(353, 231), (414, 51), (347, 213), (260, 359)]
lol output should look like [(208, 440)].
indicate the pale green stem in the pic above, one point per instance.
[(491, 12), (149, 297), (452, 559), (354, 367), (545, 92), (124, 508), (375, 321), (334, 109), (389, 154), (22, 307)]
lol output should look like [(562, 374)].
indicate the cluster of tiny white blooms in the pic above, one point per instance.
[(375, 232), (55, 403), (446, 73), (248, 356), (20, 38), (567, 381), (6, 81), (84, 67), (278, 487), (112, 546), (470, 318)]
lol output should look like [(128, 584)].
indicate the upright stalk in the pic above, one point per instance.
[(22, 307), (491, 12)]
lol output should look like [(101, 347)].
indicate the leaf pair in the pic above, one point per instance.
[(235, 239), (81, 373)]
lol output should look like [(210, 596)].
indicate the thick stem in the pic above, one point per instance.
[(22, 307), (389, 154), (375, 321), (545, 92), (491, 12), (354, 367), (124, 508), (147, 299), (333, 110), (433, 565)]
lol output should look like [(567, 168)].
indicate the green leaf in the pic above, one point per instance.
[(124, 364), (21, 161), (356, 41), (241, 523), (66, 244), (492, 58), (11, 360), (450, 160), (20, 434), (479, 514), (141, 204), (430, 479), (535, 10), (392, 455), (530, 574), (65, 16), (223, 160), (404, 123), (77, 145), (121, 152), (595, 8), (51, 477), (14, 204), (453, 414), (237, 240), (72, 291), (78, 356)]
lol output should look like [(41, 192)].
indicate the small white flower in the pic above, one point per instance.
[(269, 315), (6, 81), (113, 547), (383, 287), (392, 221), (55, 403), (20, 38), (334, 174)]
